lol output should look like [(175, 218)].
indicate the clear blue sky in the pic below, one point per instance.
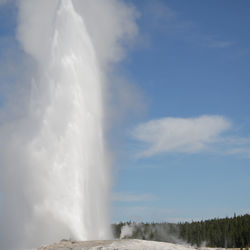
[(191, 60)]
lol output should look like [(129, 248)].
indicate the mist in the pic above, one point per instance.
[(165, 232)]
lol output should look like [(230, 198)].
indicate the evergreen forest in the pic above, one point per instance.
[(227, 232)]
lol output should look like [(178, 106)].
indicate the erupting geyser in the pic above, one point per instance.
[(69, 148), (54, 171)]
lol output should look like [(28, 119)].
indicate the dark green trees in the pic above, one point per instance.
[(227, 232)]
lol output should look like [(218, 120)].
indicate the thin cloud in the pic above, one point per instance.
[(235, 145), (236, 140), (243, 151), (181, 135), (212, 42)]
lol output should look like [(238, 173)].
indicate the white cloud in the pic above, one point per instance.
[(110, 24), (130, 197), (188, 135)]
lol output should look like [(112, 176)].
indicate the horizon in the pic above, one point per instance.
[(180, 222)]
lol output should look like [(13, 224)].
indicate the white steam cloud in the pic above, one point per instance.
[(188, 135), (54, 165), (110, 24), (127, 231)]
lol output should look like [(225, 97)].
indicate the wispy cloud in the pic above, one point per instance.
[(235, 145), (243, 151), (236, 140), (189, 135), (131, 197), (210, 41)]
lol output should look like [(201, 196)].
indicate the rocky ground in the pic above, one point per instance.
[(116, 245)]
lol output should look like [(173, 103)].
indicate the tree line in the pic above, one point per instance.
[(227, 232)]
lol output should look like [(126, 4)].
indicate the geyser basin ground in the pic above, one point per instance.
[(118, 244)]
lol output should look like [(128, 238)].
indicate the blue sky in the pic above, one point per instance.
[(183, 150), (192, 59)]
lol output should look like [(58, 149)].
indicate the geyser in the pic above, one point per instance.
[(54, 166), (69, 147)]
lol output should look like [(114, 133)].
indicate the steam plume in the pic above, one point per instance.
[(54, 165)]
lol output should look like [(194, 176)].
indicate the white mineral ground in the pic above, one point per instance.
[(118, 244)]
